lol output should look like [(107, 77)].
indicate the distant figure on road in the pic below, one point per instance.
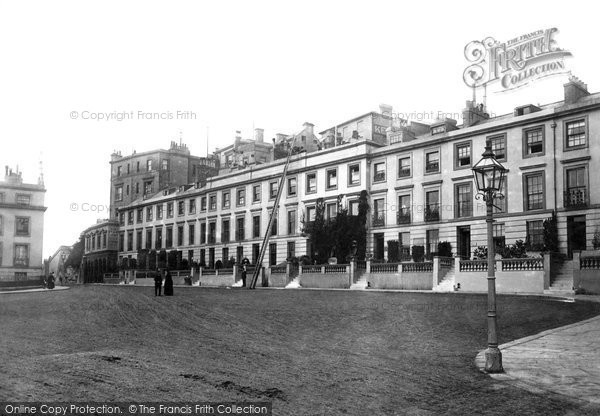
[(245, 264), (51, 281), (157, 284), (168, 284)]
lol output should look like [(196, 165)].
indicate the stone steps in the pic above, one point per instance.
[(447, 283), (360, 284), (562, 280)]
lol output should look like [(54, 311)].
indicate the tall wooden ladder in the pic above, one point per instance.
[(267, 237)]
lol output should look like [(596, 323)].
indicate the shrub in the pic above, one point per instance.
[(172, 260), (305, 260), (228, 264), (162, 259), (132, 263), (551, 234), (185, 264), (418, 253), (393, 251), (480, 253), (152, 260), (515, 251), (444, 249)]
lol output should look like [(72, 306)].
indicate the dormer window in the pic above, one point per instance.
[(526, 109), (438, 129)]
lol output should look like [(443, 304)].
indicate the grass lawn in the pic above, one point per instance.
[(309, 352)]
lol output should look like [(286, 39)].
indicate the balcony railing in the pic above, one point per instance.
[(432, 167), (378, 220), (379, 176), (403, 216), (404, 172), (432, 213), (576, 197)]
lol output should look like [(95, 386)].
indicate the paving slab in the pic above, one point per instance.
[(564, 361)]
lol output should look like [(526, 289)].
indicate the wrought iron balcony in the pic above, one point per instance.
[(403, 216), (379, 176), (432, 213), (404, 172), (432, 167), (378, 220), (576, 197)]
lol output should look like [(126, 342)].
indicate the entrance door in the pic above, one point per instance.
[(378, 246), (575, 234), (463, 235)]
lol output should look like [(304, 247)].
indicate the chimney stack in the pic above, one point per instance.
[(473, 114), (574, 90), (309, 127), (385, 110), (238, 138), (259, 135)]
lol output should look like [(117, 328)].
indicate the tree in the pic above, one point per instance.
[(551, 234), (334, 237), (74, 259)]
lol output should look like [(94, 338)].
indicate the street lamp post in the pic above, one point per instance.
[(489, 177)]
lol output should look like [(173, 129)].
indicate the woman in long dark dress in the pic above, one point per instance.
[(168, 284), (51, 281)]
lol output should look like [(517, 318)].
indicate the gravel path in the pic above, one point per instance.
[(310, 352)]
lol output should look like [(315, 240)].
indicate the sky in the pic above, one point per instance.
[(236, 65)]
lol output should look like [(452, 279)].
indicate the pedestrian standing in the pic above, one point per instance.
[(168, 284), (51, 281), (157, 284), (245, 264)]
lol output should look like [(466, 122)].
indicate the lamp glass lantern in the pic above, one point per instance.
[(489, 173)]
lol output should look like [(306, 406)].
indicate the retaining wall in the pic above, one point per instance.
[(404, 280), (325, 281)]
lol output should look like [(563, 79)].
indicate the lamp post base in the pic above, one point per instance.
[(493, 360)]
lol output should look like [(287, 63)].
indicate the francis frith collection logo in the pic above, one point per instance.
[(516, 62)]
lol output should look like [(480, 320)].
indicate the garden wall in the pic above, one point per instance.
[(404, 280), (325, 281), (225, 280), (277, 280), (506, 282)]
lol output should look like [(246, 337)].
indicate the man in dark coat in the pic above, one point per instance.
[(157, 284), (245, 264), (168, 284)]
